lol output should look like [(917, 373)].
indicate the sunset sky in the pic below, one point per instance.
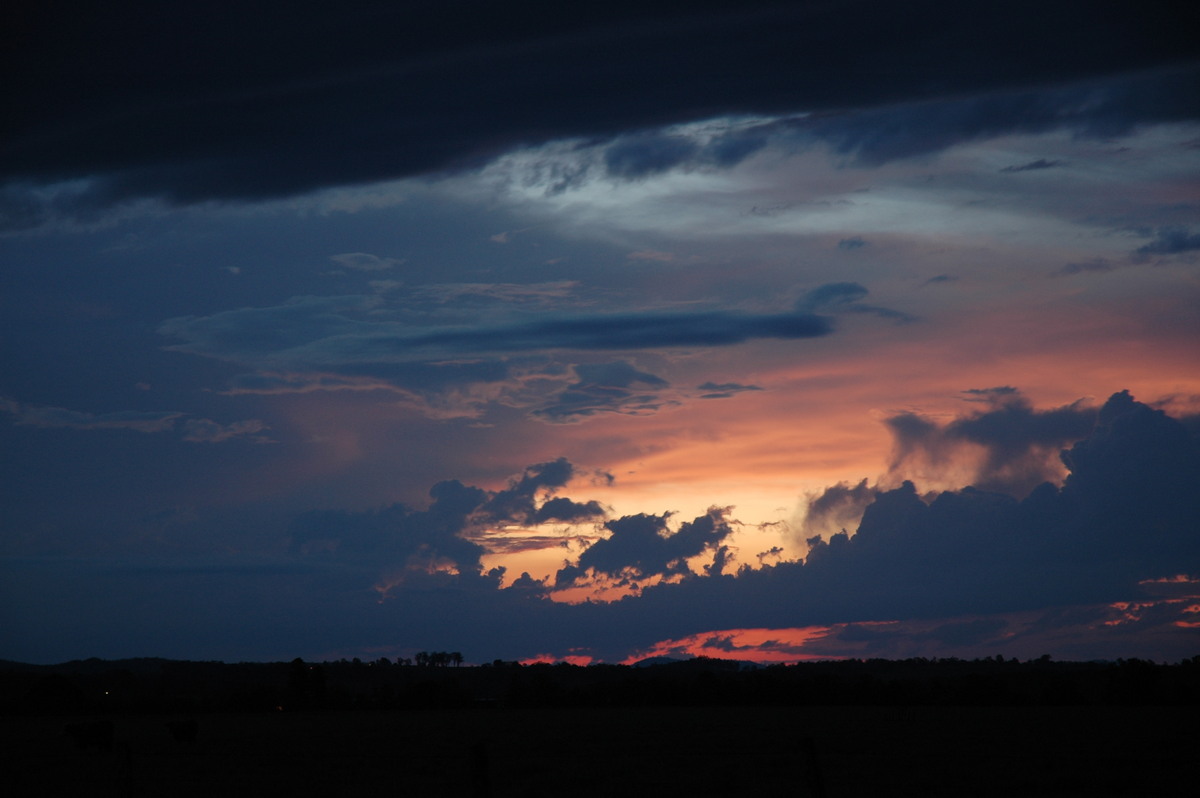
[(590, 332)]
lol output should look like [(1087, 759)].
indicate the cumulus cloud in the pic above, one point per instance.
[(519, 501), (837, 508), (1009, 446), (642, 546), (446, 537)]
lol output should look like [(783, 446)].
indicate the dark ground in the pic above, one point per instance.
[(989, 727), (693, 751)]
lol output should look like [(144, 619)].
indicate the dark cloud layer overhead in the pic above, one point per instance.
[(243, 100)]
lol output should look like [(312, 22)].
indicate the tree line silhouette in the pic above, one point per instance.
[(170, 686)]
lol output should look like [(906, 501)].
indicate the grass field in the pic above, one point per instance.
[(726, 751)]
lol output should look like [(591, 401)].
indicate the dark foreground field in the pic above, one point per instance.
[(655, 751)]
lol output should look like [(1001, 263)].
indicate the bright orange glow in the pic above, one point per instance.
[(750, 645), (550, 659)]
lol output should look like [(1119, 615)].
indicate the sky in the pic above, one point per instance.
[(591, 332)]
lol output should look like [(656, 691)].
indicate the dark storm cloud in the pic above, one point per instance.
[(246, 100), (1018, 443), (641, 546)]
